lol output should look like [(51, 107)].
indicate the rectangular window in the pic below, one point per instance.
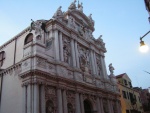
[(124, 94), (125, 82), (130, 84)]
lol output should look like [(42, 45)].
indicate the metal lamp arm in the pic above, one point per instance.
[(144, 35)]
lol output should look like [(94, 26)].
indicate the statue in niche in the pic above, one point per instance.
[(111, 69), (66, 48), (80, 6)]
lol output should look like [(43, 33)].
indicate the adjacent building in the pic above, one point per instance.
[(145, 98), (57, 66), (130, 98)]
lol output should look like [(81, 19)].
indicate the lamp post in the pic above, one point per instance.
[(143, 47)]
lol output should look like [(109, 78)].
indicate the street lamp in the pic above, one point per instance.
[(143, 47)]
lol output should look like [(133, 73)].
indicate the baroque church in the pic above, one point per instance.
[(57, 66)]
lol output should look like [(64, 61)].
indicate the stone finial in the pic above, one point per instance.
[(72, 5), (58, 12)]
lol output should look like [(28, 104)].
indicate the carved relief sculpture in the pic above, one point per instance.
[(99, 65), (66, 49), (84, 59)]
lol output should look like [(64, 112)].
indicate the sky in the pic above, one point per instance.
[(120, 22)]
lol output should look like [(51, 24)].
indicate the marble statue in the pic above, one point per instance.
[(111, 69)]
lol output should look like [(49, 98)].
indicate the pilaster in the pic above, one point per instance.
[(61, 47), (36, 98), (77, 103), (59, 101), (77, 55), (29, 98), (24, 101), (98, 105), (64, 102), (81, 103), (73, 52), (92, 62), (56, 44), (43, 106)]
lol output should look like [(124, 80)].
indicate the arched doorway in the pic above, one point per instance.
[(87, 106)]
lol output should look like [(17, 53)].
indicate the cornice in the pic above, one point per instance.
[(15, 37)]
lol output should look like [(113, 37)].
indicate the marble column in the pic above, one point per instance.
[(103, 67), (77, 103), (73, 53), (59, 100), (109, 106), (56, 44), (24, 101), (29, 98), (36, 98), (42, 94), (61, 46), (95, 63), (101, 105), (82, 103), (65, 102), (98, 105), (77, 55), (92, 62)]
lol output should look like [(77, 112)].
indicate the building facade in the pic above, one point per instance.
[(130, 98), (57, 66), (145, 98)]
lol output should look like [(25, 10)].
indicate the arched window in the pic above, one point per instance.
[(2, 57), (49, 107), (28, 38)]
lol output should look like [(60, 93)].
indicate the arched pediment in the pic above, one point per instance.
[(81, 18)]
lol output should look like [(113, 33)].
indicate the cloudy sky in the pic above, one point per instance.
[(121, 22)]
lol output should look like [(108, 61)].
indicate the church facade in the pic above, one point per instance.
[(57, 66)]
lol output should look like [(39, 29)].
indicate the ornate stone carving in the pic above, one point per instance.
[(66, 50), (72, 5), (38, 26), (84, 59), (99, 65), (80, 6), (41, 62), (58, 13), (71, 22), (91, 20), (71, 97)]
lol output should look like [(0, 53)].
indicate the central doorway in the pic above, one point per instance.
[(87, 106)]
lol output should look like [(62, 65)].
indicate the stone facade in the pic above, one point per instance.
[(57, 66)]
